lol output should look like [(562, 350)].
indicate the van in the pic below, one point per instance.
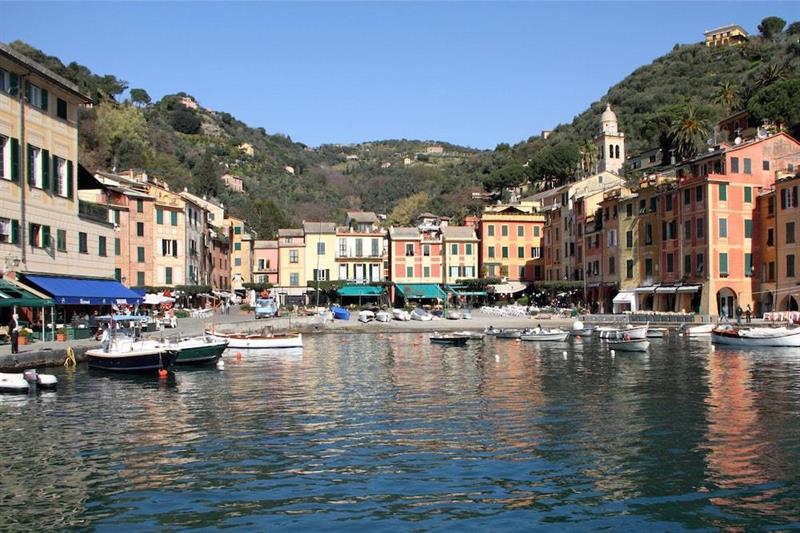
[(266, 308)]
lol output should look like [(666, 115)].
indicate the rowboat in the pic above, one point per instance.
[(633, 345), (340, 313), (631, 332), (545, 335), (756, 337), (696, 331), (366, 316), (472, 335), (509, 334), (401, 314), (383, 316), (421, 314), (450, 340), (247, 341), (453, 315)]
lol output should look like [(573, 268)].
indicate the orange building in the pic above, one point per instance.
[(511, 242)]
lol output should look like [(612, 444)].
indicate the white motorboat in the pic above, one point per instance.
[(472, 335), (657, 333), (509, 334), (453, 315), (632, 345), (383, 316), (421, 314), (545, 335), (13, 383), (756, 337), (697, 331), (366, 316), (630, 332), (492, 331), (401, 314), (580, 329), (249, 341)]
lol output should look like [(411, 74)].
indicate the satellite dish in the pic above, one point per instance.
[(762, 133), (737, 140)]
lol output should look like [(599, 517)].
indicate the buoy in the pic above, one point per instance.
[(162, 373), (613, 353), (497, 358), (238, 356), (220, 364)]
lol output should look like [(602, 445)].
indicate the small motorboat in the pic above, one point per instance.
[(629, 345), (41, 381), (657, 333), (340, 313), (756, 337), (383, 316), (466, 314), (509, 334), (401, 314), (264, 340), (450, 340), (472, 335), (366, 316), (492, 331), (545, 335), (697, 331), (127, 357), (199, 350), (453, 315), (421, 314), (633, 332), (14, 383)]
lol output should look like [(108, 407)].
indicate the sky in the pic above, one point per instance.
[(470, 73)]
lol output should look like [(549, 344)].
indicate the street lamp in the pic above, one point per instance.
[(11, 262)]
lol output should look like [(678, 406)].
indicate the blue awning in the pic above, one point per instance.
[(83, 291)]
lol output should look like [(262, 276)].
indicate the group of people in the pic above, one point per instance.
[(747, 313)]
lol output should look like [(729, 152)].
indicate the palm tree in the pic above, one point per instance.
[(688, 133), (727, 96), (588, 152)]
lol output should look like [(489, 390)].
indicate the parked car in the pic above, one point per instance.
[(266, 308)]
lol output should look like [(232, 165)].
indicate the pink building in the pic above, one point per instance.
[(265, 268)]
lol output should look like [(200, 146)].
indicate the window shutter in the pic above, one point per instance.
[(54, 172), (14, 160), (13, 86), (174, 248), (44, 99), (31, 239), (46, 170), (45, 236), (69, 179), (30, 165), (15, 232), (28, 91)]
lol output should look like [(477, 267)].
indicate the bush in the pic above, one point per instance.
[(185, 120), (182, 313)]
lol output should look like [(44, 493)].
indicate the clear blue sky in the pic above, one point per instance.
[(469, 73)]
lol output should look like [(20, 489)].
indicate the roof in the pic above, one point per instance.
[(459, 232), (427, 215), (290, 232), (726, 27), (265, 245), (363, 216), (319, 227), (44, 72), (404, 233)]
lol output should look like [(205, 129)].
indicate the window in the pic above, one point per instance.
[(748, 228), (790, 233), (535, 253), (687, 230), (60, 176), (159, 216), (521, 252), (37, 96), (723, 228), (648, 233), (629, 269), (628, 210), (139, 206), (700, 228), (748, 194), (771, 271), (453, 249), (648, 267), (790, 266), (237, 246), (612, 238), (36, 168), (491, 251), (770, 237), (687, 197), (629, 239), (9, 231), (700, 264), (61, 240), (320, 248), (140, 279), (723, 264), (117, 247), (504, 252), (468, 249), (734, 164), (409, 250), (359, 247), (668, 202), (173, 218), (670, 262), (101, 246), (321, 274), (765, 165), (698, 194), (747, 166), (409, 272), (490, 230), (140, 229), (39, 236), (83, 243), (723, 192), (61, 109), (687, 265), (504, 230), (653, 204), (169, 247), (748, 265), (642, 207), (426, 250), (237, 230), (118, 274), (612, 265), (536, 231), (140, 254), (426, 272), (237, 262), (294, 256), (376, 247), (520, 231), (5, 85)]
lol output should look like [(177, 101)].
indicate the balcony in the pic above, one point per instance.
[(92, 211)]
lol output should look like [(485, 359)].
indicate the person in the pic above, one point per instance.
[(106, 340), (748, 314), (538, 328), (13, 328), (723, 312), (227, 307), (738, 314), (93, 324)]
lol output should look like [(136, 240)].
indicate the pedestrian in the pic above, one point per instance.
[(739, 314), (13, 328), (227, 307), (748, 313)]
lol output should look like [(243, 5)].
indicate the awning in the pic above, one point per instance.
[(13, 294), (624, 298), (512, 287), (646, 290), (157, 299), (421, 291), (666, 289), (463, 291), (689, 288), (84, 291), (360, 291)]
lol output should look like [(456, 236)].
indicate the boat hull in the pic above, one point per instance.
[(732, 338), (509, 335), (201, 354), (450, 341), (629, 346), (553, 337), (140, 361), (257, 342), (13, 383), (632, 333)]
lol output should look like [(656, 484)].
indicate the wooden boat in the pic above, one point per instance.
[(472, 335), (697, 331), (756, 337), (450, 340), (264, 340), (401, 314), (123, 357), (366, 316), (340, 313), (545, 335), (383, 316), (631, 345), (421, 314), (509, 334), (632, 332), (657, 333)]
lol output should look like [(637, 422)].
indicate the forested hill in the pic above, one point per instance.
[(672, 102)]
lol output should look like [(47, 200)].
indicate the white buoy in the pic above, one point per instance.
[(564, 355), (220, 364), (497, 358), (613, 353)]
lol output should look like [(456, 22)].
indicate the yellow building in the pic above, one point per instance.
[(169, 235), (291, 265), (241, 252), (320, 242), (729, 35), (510, 240), (44, 227), (460, 253)]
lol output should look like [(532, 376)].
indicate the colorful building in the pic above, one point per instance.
[(415, 255), (291, 265), (511, 239), (241, 252), (461, 251), (361, 250), (320, 254), (265, 262)]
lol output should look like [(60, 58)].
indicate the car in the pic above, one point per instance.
[(266, 308)]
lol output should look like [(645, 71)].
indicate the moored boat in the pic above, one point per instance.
[(630, 345), (631, 332), (123, 357), (383, 316), (366, 316), (697, 331), (509, 334), (401, 314), (657, 333), (545, 335), (199, 350), (421, 314), (453, 315), (451, 340), (756, 337), (13, 383), (340, 313), (492, 331), (264, 340), (472, 335)]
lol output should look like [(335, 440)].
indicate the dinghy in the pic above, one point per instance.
[(421, 314), (545, 335), (366, 316), (383, 316), (401, 314), (450, 340), (631, 345)]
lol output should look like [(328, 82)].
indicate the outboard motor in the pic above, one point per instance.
[(42, 381)]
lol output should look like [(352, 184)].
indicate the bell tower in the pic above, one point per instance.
[(610, 144)]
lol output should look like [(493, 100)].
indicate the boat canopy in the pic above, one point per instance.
[(13, 294), (83, 291), (421, 291)]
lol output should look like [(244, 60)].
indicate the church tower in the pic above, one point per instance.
[(610, 144)]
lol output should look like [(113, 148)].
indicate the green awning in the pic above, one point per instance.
[(360, 291), (421, 291), (464, 291), (12, 294)]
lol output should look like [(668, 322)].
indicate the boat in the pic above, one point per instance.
[(383, 316), (509, 334), (472, 335), (13, 383), (631, 332), (123, 356), (257, 341), (340, 313), (756, 337), (630, 345), (453, 315), (466, 314), (199, 350), (450, 340), (366, 316), (580, 329), (25, 381), (420, 314), (657, 333), (545, 335), (697, 331), (401, 314), (492, 331)]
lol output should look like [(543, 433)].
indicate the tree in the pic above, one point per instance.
[(554, 164), (794, 28), (509, 175), (185, 120), (770, 27), (206, 176), (122, 135), (688, 133), (779, 103), (727, 96), (588, 153), (140, 98), (266, 217), (408, 209)]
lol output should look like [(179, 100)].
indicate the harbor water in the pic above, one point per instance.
[(387, 432)]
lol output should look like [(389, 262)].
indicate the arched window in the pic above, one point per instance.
[(617, 152), (610, 151)]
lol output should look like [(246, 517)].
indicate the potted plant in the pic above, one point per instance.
[(61, 334), (25, 336)]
